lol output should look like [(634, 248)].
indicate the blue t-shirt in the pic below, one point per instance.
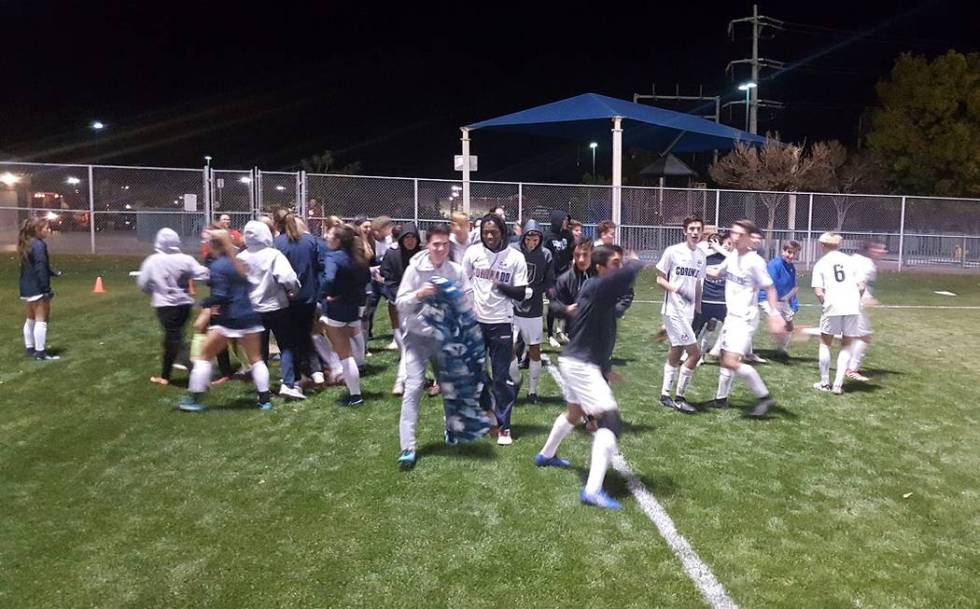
[(783, 279)]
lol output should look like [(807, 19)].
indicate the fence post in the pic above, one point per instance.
[(963, 253), (415, 200), (206, 202), (717, 207), (255, 192), (901, 236), (301, 195), (91, 208), (809, 235), (520, 201)]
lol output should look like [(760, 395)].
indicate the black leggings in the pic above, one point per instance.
[(173, 320)]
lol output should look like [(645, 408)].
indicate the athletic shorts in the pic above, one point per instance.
[(845, 325), (679, 331), (528, 328), (736, 335), (785, 311), (333, 323), (864, 323), (34, 298), (236, 332), (582, 384)]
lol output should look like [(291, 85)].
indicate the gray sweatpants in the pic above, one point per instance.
[(418, 351)]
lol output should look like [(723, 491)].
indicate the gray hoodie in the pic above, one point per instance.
[(269, 270), (165, 274), (419, 272)]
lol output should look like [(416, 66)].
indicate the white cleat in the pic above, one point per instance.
[(291, 392)]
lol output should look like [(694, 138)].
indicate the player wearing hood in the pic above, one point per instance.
[(393, 266), (498, 277), (165, 275), (528, 313), (560, 243)]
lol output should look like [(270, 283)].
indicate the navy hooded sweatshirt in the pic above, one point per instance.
[(540, 272)]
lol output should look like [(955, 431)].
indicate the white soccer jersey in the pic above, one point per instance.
[(484, 268), (836, 275), (745, 274), (865, 272), (684, 269)]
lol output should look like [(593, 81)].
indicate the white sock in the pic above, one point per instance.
[(515, 371), (358, 348), (40, 334), (683, 380), (706, 336), (559, 430), (200, 376), (336, 369), (323, 347), (843, 359), (670, 374), (725, 378), (260, 376), (352, 378), (753, 380), (784, 342), (29, 334), (857, 354), (824, 364), (534, 370), (603, 447)]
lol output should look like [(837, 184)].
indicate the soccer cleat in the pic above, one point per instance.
[(189, 403), (392, 346), (600, 499), (29, 352), (680, 403), (821, 387), (563, 337), (265, 405), (44, 356), (504, 439), (554, 342), (318, 378), (762, 408), (406, 460), (180, 367), (721, 403), (837, 390), (556, 461), (752, 358), (854, 375), (532, 398), (666, 402), (291, 392), (352, 400)]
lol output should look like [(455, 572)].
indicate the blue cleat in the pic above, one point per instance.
[(265, 405), (556, 461), (600, 499), (406, 460), (189, 403)]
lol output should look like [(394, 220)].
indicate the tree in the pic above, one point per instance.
[(327, 163), (843, 173), (774, 166), (927, 124)]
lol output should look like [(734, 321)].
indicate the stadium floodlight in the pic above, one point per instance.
[(73, 181), (245, 180), (593, 146), (9, 179), (98, 125), (747, 87)]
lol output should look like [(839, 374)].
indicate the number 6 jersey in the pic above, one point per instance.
[(835, 273)]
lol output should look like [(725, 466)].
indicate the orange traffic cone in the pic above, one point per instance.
[(99, 288), (190, 287)]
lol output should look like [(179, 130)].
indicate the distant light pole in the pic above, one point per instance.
[(747, 87), (207, 159), (98, 125), (593, 146)]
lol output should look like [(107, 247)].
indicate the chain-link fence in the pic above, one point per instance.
[(117, 210)]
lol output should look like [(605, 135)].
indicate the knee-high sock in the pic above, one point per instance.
[(260, 376), (725, 378), (824, 364), (706, 336), (29, 334), (40, 334), (751, 378), (683, 380), (670, 374), (200, 376), (359, 348), (559, 430), (534, 372), (352, 378), (843, 359), (857, 354), (603, 447)]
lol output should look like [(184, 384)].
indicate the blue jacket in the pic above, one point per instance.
[(342, 286), (304, 256), (783, 279), (35, 271), (230, 292)]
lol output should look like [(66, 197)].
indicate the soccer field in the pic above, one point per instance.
[(112, 498)]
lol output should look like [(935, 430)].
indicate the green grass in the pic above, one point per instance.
[(111, 498)]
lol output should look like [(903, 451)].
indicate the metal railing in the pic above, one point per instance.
[(109, 209)]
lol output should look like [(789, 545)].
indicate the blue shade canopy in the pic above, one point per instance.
[(589, 117)]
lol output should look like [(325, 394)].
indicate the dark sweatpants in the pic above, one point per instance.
[(173, 320), (499, 340)]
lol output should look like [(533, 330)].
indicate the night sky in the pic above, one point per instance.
[(273, 84)]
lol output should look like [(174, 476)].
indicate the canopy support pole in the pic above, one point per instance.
[(617, 175), (466, 170)]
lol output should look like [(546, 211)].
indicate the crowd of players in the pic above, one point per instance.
[(317, 296)]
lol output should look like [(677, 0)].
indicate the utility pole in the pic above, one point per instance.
[(699, 110), (756, 63)]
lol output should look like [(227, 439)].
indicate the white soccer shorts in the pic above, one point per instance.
[(736, 334), (236, 332), (679, 331), (529, 328), (845, 325), (333, 323), (582, 384), (864, 323)]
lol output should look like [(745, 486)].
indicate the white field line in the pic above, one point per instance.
[(695, 568), (961, 307)]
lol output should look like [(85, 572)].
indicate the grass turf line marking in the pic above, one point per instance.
[(696, 569), (960, 307)]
